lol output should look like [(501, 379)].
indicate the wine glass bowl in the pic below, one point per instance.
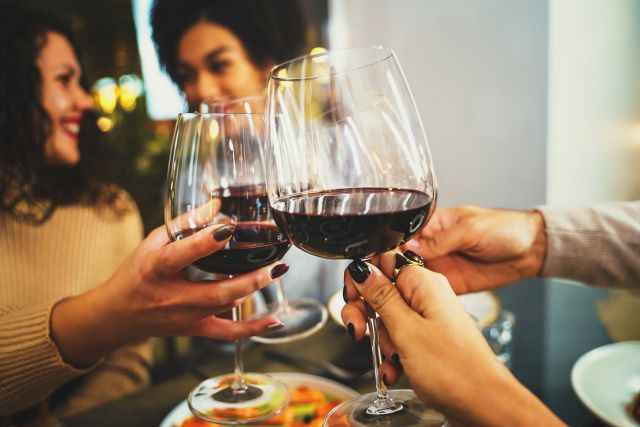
[(349, 175), (301, 317)]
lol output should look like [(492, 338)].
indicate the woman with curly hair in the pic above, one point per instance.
[(80, 291), (225, 49)]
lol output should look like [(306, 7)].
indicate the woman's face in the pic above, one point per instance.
[(63, 99), (213, 63)]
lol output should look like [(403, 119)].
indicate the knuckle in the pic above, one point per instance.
[(381, 295)]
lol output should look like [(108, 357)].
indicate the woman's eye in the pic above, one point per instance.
[(64, 78), (219, 66)]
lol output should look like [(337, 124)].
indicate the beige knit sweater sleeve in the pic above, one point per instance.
[(74, 251), (598, 245)]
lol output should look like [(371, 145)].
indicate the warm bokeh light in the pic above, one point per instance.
[(125, 92), (130, 88), (318, 50), (105, 124), (106, 94)]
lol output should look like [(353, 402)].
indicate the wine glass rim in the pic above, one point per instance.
[(193, 114), (219, 100), (388, 53)]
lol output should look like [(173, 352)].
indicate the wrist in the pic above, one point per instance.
[(79, 330), (538, 249)]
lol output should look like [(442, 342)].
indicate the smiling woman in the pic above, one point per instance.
[(224, 49), (46, 123), (63, 97), (80, 291)]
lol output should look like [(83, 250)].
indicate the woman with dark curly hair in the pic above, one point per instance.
[(220, 49), (79, 292), (225, 49)]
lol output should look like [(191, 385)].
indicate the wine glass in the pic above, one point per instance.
[(216, 176), (301, 317), (349, 175)]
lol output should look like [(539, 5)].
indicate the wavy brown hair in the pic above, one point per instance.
[(30, 190)]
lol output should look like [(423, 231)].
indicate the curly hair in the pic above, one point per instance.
[(270, 30), (30, 190)]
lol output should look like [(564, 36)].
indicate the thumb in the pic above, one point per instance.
[(380, 294), (456, 238), (426, 291)]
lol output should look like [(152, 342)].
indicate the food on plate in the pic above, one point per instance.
[(307, 408)]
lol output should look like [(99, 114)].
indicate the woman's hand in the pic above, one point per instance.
[(479, 249), (438, 345), (148, 296)]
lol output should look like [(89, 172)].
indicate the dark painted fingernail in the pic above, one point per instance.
[(413, 256), (344, 293), (224, 232), (275, 326), (352, 331), (279, 270), (395, 359), (384, 379), (359, 271)]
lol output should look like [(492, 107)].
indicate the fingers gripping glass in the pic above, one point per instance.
[(301, 317), (216, 176), (349, 175)]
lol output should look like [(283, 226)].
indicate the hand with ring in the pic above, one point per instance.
[(426, 332)]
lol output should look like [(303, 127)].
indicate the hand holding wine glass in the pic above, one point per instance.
[(438, 345), (148, 296), (480, 249)]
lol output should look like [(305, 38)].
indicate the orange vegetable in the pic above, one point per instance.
[(304, 394)]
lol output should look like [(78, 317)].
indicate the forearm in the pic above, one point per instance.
[(82, 330), (599, 245), (498, 400)]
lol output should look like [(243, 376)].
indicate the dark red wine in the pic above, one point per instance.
[(352, 223), (251, 247), (244, 203)]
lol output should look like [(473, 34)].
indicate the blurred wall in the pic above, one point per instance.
[(594, 101), (593, 153), (478, 72)]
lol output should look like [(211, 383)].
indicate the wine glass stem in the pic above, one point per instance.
[(283, 302), (381, 388), (239, 382)]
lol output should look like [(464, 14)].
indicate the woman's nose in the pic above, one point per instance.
[(207, 88), (84, 101)]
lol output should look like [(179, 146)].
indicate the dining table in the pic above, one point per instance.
[(331, 343)]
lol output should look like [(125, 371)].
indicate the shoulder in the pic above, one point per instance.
[(118, 209)]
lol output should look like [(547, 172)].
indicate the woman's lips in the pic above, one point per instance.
[(71, 128)]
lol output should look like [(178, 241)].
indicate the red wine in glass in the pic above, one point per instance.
[(353, 223), (252, 246)]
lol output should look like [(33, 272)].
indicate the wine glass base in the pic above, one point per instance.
[(302, 318), (360, 411), (216, 401)]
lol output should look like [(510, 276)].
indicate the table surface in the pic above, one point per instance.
[(150, 406)]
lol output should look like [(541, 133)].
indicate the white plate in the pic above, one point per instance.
[(292, 379), (607, 378), (484, 306)]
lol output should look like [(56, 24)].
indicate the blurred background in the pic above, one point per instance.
[(525, 102)]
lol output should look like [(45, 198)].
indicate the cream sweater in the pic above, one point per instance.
[(76, 249)]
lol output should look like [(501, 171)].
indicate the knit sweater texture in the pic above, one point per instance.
[(75, 250)]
